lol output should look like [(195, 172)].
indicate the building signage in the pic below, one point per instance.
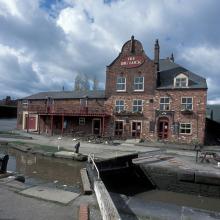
[(132, 61)]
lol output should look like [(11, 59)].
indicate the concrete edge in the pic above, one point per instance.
[(106, 205)]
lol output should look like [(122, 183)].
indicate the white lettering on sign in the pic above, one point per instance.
[(132, 61)]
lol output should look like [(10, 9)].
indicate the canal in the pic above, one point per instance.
[(133, 194), (130, 185), (37, 169)]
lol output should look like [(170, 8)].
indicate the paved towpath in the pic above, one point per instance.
[(101, 151)]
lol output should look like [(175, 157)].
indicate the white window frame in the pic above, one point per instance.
[(180, 77), (137, 105), (182, 104), (181, 124), (82, 121), (84, 102), (121, 83), (139, 83), (139, 121), (164, 104), (118, 105)]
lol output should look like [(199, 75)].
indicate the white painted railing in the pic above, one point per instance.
[(91, 158)]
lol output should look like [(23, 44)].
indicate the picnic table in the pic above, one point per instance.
[(206, 155)]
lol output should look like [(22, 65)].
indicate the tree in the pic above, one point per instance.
[(81, 83), (95, 86)]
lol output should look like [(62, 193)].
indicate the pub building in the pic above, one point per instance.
[(150, 99)]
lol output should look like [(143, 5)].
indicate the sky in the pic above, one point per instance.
[(44, 44)]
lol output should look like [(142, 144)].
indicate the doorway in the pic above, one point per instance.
[(119, 128), (163, 128), (136, 129), (96, 126)]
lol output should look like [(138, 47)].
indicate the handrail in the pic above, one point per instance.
[(91, 157)]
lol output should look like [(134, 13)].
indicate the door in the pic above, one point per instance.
[(118, 128), (136, 129), (96, 126), (30, 122), (163, 128)]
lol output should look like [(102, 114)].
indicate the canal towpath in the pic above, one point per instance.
[(100, 151)]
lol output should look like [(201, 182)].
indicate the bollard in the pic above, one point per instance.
[(77, 147), (4, 163)]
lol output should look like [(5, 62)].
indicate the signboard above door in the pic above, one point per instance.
[(132, 61)]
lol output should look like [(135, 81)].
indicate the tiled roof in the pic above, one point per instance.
[(67, 95), (169, 69)]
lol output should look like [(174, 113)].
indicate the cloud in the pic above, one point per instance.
[(44, 44)]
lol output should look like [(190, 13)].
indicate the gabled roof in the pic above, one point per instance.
[(169, 70), (99, 94)]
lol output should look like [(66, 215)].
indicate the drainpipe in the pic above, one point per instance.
[(28, 116)]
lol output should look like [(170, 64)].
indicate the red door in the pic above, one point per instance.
[(163, 128), (30, 122)]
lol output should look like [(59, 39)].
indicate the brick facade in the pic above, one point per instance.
[(138, 86), (151, 114)]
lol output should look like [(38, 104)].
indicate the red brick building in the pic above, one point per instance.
[(143, 98)]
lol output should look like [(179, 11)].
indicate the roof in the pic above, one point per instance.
[(67, 95), (213, 112), (169, 69)]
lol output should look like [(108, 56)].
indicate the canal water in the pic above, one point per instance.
[(8, 124), (37, 169), (144, 200)]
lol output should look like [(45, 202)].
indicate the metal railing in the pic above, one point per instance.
[(68, 109), (91, 157)]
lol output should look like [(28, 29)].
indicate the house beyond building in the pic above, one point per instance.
[(143, 98)]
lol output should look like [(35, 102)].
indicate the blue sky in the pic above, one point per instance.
[(44, 44)]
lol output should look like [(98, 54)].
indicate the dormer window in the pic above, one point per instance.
[(181, 81)]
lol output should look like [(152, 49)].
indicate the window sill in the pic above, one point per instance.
[(138, 90), (120, 90)]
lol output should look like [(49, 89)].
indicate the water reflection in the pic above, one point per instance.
[(45, 169)]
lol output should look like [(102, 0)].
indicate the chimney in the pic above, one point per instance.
[(172, 58), (132, 44), (156, 54)]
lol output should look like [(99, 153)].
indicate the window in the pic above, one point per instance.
[(24, 102), (139, 83), (121, 84), (185, 128), (119, 105), (137, 105), (81, 121), (181, 81), (84, 102), (187, 103), (165, 103)]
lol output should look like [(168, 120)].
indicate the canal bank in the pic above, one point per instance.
[(132, 203)]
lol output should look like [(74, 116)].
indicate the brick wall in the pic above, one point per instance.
[(147, 69)]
